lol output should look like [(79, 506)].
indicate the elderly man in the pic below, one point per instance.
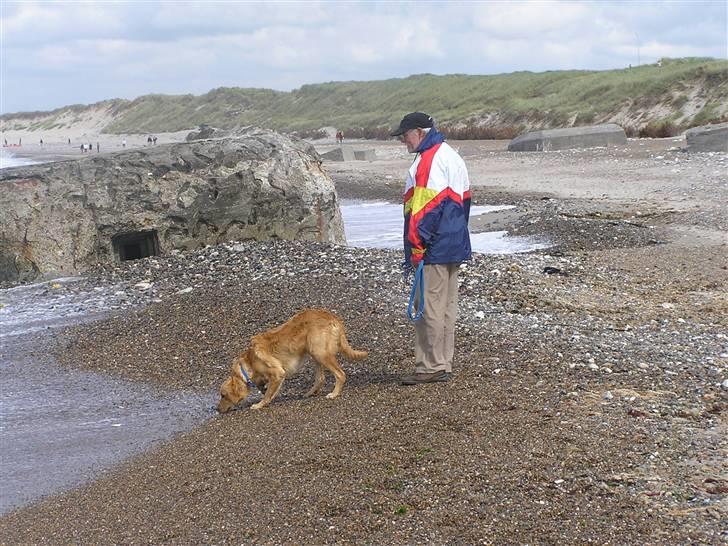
[(436, 212)]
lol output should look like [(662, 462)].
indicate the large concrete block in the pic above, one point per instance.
[(342, 153), (64, 217), (708, 138), (608, 134), (365, 155)]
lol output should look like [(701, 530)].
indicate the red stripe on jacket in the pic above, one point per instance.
[(422, 176)]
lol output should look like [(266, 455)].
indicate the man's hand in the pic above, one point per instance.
[(416, 257)]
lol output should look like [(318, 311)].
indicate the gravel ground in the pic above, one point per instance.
[(588, 404)]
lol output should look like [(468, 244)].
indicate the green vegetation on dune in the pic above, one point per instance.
[(687, 92)]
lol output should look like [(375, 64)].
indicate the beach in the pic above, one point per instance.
[(56, 145), (587, 404)]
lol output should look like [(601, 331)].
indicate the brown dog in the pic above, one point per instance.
[(277, 353)]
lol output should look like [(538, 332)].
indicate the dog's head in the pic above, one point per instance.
[(235, 389)]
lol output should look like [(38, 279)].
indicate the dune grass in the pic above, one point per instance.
[(519, 99)]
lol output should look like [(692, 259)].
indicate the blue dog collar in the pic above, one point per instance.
[(247, 378)]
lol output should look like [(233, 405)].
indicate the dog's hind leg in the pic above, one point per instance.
[(318, 381), (330, 363), (275, 380)]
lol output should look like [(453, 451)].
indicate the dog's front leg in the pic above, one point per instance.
[(274, 385)]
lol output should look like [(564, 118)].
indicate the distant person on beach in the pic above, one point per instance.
[(154, 140), (6, 141), (98, 148), (83, 148), (41, 142), (69, 141), (149, 140), (436, 213), (123, 143)]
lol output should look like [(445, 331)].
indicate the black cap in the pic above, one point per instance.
[(415, 120)]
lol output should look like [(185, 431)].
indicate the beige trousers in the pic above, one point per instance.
[(435, 331)]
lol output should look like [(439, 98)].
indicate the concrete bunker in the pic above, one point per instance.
[(135, 245)]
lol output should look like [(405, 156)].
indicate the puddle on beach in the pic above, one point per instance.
[(60, 428), (378, 224)]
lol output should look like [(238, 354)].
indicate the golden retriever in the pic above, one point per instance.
[(277, 353)]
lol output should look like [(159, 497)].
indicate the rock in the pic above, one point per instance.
[(15, 262), (365, 155), (609, 134), (205, 132), (64, 217), (342, 153), (708, 138)]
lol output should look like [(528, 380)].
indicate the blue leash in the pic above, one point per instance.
[(419, 279)]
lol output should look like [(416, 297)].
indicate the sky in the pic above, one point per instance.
[(58, 53)]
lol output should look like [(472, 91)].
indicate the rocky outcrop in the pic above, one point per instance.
[(62, 218), (608, 134), (204, 132), (708, 138)]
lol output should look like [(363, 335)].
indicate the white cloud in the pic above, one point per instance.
[(510, 20)]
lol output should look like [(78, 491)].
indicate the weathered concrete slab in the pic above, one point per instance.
[(608, 134), (341, 153), (708, 138), (365, 155), (64, 217)]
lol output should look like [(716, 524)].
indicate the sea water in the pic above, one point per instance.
[(61, 427), (378, 224), (7, 160)]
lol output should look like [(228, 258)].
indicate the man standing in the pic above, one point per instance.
[(436, 213)]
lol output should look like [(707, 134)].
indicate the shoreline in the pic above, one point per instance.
[(586, 404), (56, 147)]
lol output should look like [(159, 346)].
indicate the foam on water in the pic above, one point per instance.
[(378, 224), (31, 308), (7, 160)]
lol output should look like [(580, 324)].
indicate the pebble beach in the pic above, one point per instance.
[(587, 404)]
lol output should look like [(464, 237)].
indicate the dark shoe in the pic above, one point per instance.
[(419, 378)]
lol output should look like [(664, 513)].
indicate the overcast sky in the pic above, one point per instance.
[(59, 53)]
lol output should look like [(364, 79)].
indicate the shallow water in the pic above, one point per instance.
[(378, 224), (8, 159), (59, 427)]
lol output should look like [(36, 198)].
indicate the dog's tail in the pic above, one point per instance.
[(349, 353)]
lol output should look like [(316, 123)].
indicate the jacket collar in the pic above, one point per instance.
[(433, 137)]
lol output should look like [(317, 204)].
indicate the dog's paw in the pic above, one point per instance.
[(331, 396), (259, 405)]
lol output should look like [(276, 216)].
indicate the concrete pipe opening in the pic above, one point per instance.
[(135, 245)]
